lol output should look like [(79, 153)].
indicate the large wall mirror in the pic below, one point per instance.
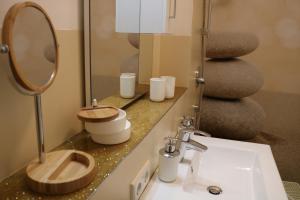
[(111, 50), (251, 73)]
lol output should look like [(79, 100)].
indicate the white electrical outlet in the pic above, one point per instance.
[(140, 182)]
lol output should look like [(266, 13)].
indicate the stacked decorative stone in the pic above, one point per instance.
[(131, 64), (227, 110)]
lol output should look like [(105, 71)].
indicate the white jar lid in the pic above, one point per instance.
[(128, 75)]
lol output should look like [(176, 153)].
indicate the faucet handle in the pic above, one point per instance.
[(187, 122)]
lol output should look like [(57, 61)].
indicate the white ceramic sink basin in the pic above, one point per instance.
[(244, 171)]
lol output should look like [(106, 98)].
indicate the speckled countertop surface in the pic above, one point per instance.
[(117, 101), (143, 116)]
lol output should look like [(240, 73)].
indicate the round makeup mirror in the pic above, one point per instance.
[(32, 47), (29, 39)]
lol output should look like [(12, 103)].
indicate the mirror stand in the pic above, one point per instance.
[(38, 115), (39, 127)]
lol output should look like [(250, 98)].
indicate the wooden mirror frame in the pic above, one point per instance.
[(7, 37)]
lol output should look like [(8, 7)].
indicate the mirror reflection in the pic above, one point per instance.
[(250, 72), (34, 46), (112, 52)]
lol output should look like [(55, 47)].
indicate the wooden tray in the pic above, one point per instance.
[(63, 172)]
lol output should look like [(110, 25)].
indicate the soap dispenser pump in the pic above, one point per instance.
[(168, 161)]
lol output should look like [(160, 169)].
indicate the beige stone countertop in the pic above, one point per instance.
[(117, 101), (143, 115)]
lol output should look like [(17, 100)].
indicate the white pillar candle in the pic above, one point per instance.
[(157, 89), (170, 86), (127, 85)]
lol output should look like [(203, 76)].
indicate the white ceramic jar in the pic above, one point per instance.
[(109, 127), (157, 89), (116, 138), (168, 164), (127, 85)]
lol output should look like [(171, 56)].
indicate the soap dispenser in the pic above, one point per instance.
[(168, 161)]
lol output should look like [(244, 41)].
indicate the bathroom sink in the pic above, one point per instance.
[(243, 171)]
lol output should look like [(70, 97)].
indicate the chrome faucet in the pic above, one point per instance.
[(185, 131)]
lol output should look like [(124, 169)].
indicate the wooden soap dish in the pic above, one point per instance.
[(63, 172)]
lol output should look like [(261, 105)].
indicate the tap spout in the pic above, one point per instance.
[(192, 144)]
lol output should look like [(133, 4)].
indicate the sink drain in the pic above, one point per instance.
[(215, 190)]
